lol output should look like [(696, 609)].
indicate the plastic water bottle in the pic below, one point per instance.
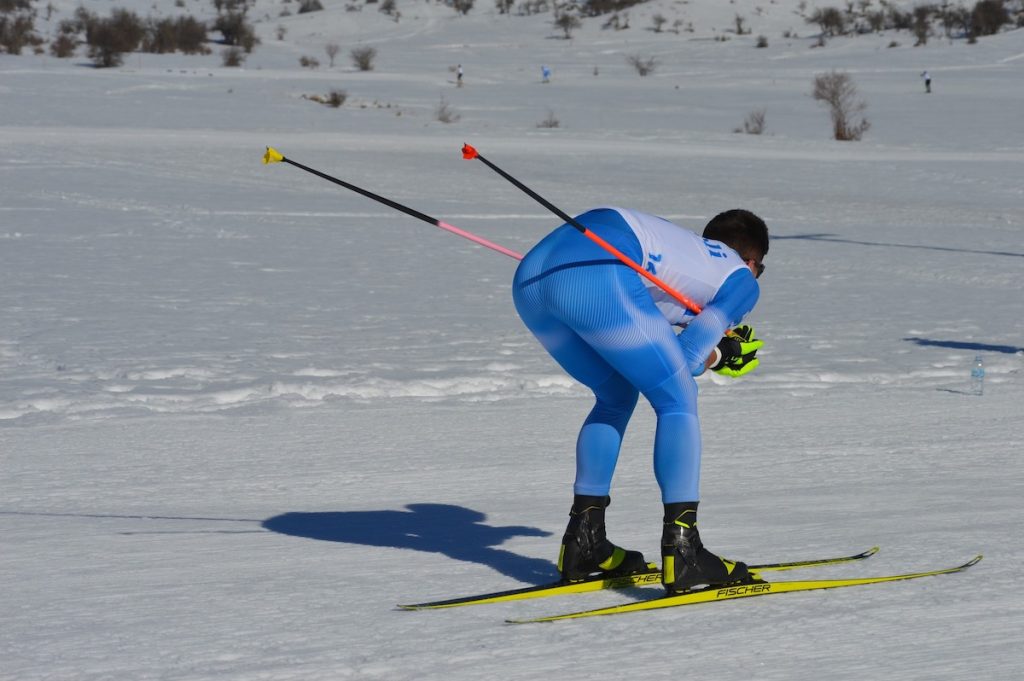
[(978, 376)]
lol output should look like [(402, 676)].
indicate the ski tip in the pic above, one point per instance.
[(870, 552), (973, 561), (272, 156), (414, 607), (468, 152)]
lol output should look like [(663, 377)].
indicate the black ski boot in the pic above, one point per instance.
[(585, 548), (685, 561)]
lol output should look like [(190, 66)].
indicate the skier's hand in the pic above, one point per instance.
[(738, 350)]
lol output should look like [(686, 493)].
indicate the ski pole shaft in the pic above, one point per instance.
[(469, 153), (274, 156)]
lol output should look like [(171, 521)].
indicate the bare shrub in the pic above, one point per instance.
[(740, 23), (306, 6), (837, 91), (63, 46), (232, 56), (900, 20), (595, 8), (363, 57), (550, 122), (236, 30), (643, 65), (445, 113), (504, 6), (658, 20), (83, 19), (988, 17), (336, 98), (332, 50), (388, 7), (160, 36), (191, 34), (568, 23), (16, 32), (612, 22), (753, 124), (185, 33), (922, 24), (233, 5), (762, 41), (309, 62), (110, 38), (462, 6), (830, 20)]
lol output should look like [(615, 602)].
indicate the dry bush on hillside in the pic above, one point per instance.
[(567, 23), (445, 113), (837, 91), (336, 98), (753, 124), (63, 46), (17, 31), (332, 49), (363, 57), (232, 56), (236, 30), (550, 122), (185, 33), (109, 39), (643, 65)]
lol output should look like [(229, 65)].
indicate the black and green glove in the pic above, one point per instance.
[(738, 349)]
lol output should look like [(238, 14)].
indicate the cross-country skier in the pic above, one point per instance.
[(612, 330)]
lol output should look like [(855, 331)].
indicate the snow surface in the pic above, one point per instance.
[(244, 412)]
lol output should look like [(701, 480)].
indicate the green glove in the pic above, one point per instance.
[(738, 348)]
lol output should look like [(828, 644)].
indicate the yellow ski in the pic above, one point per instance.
[(650, 578), (755, 588)]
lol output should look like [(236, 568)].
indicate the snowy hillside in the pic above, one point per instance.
[(245, 412)]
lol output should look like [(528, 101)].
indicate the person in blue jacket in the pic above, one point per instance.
[(621, 336)]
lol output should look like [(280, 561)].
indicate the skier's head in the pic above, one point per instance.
[(743, 232)]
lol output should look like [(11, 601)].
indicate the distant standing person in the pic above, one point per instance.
[(927, 81), (545, 74), (458, 76)]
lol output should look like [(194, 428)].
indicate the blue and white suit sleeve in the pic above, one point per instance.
[(734, 299)]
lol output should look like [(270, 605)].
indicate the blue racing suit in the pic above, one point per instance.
[(611, 330)]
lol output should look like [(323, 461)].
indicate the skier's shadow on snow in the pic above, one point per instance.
[(965, 345), (839, 240), (453, 531)]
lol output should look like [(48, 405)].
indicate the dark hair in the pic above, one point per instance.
[(741, 230)]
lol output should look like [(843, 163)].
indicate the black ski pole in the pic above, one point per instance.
[(470, 153), (274, 156)]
